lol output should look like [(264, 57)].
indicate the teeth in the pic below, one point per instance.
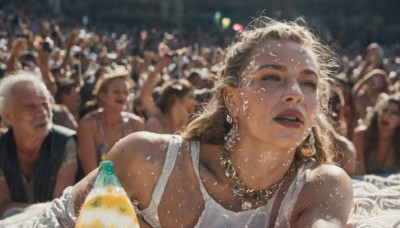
[(290, 117)]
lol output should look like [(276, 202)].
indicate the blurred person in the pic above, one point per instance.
[(365, 93), (373, 60), (346, 151), (36, 61), (37, 158), (195, 79), (174, 105), (100, 129), (67, 103), (377, 140)]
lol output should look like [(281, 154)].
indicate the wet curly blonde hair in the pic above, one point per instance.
[(210, 126)]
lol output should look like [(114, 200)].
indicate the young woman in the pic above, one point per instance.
[(99, 130), (377, 141), (174, 105), (256, 156)]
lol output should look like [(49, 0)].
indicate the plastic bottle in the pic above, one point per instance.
[(107, 204)]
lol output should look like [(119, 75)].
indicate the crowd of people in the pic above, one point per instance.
[(251, 119)]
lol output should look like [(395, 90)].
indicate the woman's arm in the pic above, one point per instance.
[(145, 97), (17, 47), (43, 62), (87, 145), (326, 199)]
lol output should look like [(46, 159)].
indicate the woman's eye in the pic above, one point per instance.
[(311, 84), (271, 78)]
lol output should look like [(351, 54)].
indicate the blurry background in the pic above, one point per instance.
[(346, 21)]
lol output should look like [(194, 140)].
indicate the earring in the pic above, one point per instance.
[(308, 148), (233, 135)]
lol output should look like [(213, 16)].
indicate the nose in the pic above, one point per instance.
[(292, 93)]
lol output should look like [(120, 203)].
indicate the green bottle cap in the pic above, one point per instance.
[(106, 175)]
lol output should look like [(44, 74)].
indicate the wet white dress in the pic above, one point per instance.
[(215, 215)]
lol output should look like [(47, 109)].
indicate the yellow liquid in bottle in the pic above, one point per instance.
[(109, 207)]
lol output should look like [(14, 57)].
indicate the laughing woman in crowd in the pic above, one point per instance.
[(99, 130)]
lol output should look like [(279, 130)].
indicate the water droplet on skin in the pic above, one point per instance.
[(148, 158), (151, 173), (246, 159), (277, 60), (279, 45), (291, 60), (271, 53)]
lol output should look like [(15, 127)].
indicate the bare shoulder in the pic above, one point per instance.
[(154, 124), (138, 160), (133, 118), (328, 174), (89, 118), (326, 195)]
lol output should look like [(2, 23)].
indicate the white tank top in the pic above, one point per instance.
[(215, 215)]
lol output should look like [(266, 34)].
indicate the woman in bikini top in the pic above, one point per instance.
[(99, 130)]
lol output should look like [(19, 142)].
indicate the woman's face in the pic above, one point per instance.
[(188, 102), (116, 95), (278, 99), (389, 116)]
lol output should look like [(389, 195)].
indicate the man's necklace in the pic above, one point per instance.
[(250, 197)]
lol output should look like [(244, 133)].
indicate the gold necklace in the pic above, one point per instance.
[(249, 196)]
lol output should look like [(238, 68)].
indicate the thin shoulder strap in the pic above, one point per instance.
[(169, 164), (195, 152), (290, 199)]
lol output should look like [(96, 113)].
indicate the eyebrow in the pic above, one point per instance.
[(283, 68)]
